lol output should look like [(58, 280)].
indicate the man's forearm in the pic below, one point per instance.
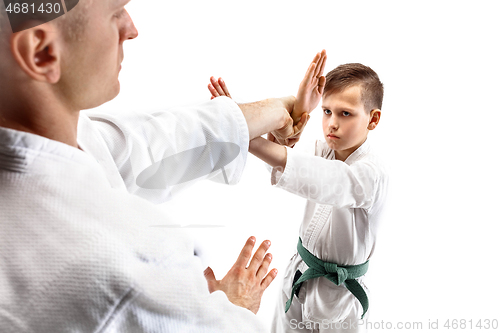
[(268, 115), (270, 152)]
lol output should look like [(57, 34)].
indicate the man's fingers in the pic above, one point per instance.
[(292, 142), (269, 278), (301, 124), (258, 257), (246, 253), (265, 266), (213, 284), (271, 137)]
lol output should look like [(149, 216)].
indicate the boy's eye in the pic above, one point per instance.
[(326, 111), (345, 113)]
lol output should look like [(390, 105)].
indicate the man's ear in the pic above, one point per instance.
[(374, 118), (37, 51)]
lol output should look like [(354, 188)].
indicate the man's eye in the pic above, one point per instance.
[(345, 114), (120, 13), (327, 111)]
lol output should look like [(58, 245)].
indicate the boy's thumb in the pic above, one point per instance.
[(211, 281)]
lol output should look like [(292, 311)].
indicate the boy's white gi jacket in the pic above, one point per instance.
[(342, 214), (77, 253)]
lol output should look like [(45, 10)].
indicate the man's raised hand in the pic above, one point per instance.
[(244, 285)]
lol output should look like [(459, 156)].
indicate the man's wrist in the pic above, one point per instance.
[(268, 115)]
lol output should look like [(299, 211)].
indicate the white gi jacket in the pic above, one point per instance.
[(76, 250), (343, 209)]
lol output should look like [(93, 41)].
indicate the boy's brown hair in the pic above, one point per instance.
[(348, 75)]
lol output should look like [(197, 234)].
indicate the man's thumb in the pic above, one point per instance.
[(211, 281)]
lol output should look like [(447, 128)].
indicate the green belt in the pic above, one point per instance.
[(333, 272)]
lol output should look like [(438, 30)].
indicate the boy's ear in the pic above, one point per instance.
[(37, 52), (374, 118)]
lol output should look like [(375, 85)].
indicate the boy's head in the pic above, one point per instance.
[(348, 75), (352, 100)]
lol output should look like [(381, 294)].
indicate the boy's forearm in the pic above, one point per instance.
[(270, 152)]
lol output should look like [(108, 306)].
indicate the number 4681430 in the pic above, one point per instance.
[(27, 8)]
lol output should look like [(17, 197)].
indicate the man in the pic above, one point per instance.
[(76, 253)]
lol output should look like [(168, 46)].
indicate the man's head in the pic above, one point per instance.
[(74, 59), (352, 100)]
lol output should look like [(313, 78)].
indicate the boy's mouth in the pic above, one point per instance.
[(331, 136)]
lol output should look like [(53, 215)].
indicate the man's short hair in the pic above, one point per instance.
[(3, 17), (348, 75), (73, 26)]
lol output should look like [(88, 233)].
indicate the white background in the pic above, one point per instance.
[(437, 251)]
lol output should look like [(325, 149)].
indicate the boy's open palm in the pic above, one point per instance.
[(311, 88)]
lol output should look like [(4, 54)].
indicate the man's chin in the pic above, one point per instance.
[(111, 95)]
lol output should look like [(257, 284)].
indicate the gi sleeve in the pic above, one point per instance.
[(170, 294), (329, 182), (159, 154)]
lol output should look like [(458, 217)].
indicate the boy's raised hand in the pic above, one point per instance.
[(311, 88), (218, 88)]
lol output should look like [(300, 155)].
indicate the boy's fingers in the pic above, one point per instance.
[(314, 61), (318, 67), (321, 64), (265, 266), (316, 58), (269, 278), (224, 87), (309, 73), (321, 85), (212, 90), (258, 257), (246, 253), (215, 83)]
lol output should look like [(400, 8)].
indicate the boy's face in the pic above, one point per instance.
[(345, 121)]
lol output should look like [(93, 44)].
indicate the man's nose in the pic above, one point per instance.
[(130, 31)]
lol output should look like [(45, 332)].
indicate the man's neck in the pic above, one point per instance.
[(54, 122)]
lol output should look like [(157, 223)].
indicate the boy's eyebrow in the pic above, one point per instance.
[(341, 107)]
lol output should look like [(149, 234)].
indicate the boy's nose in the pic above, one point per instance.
[(333, 123)]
